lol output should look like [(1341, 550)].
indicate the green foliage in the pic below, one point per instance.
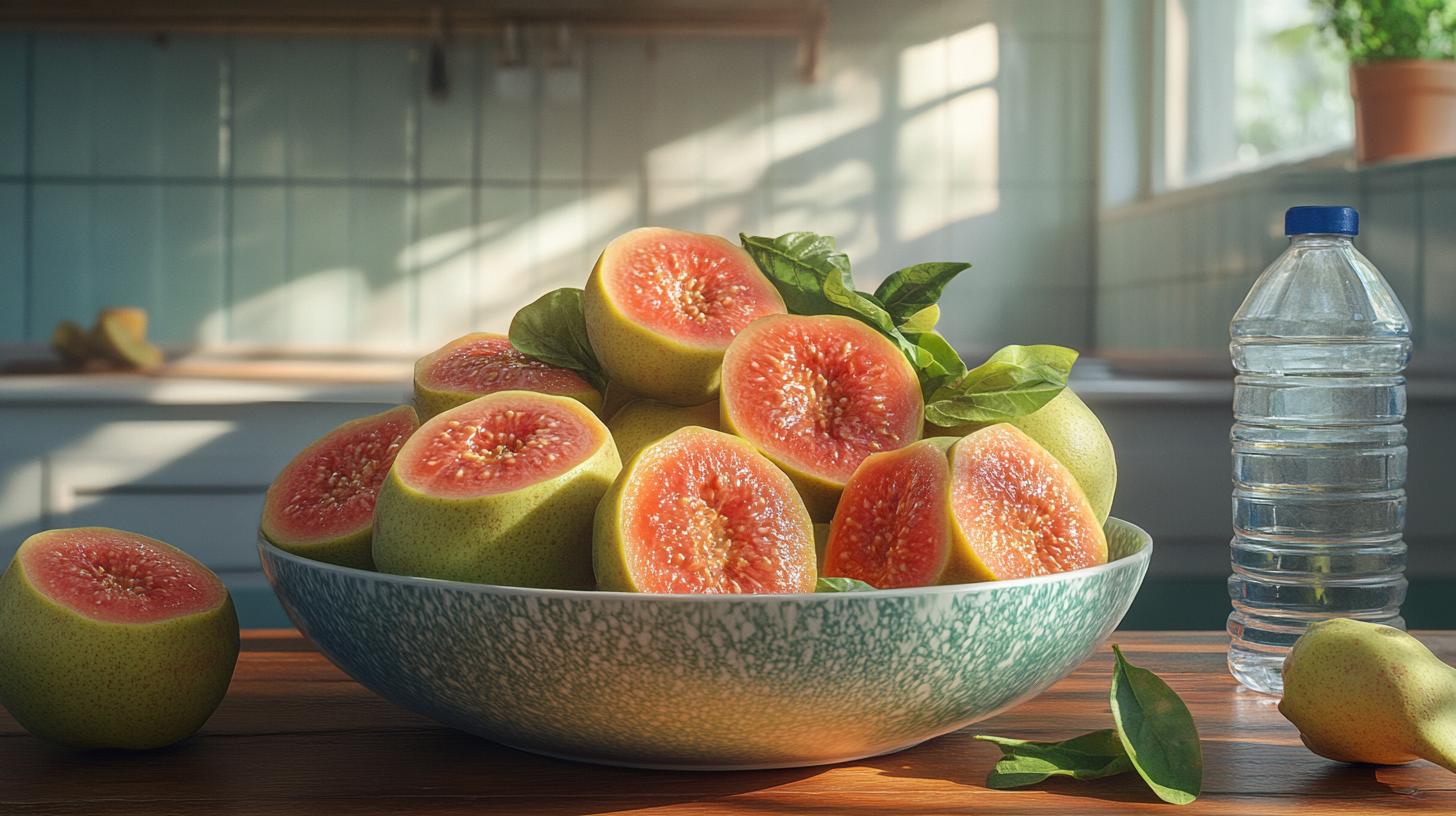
[(1380, 30), (813, 277), (841, 585), (551, 329), (1152, 734)]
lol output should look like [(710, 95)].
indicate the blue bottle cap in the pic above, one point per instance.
[(1321, 220)]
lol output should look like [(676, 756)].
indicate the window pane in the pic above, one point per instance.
[(1260, 83)]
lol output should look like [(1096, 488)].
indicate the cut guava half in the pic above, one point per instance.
[(702, 512), (483, 363), (321, 505), (661, 305), (818, 394), (1016, 511), (892, 526), (500, 490)]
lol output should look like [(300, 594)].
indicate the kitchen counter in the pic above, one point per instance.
[(296, 736)]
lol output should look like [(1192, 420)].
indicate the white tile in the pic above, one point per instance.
[(448, 126), (319, 73), (1435, 329), (1037, 238), (12, 263), (61, 257), (13, 123), (190, 297), (379, 230), (838, 122), (385, 80), (261, 83), (505, 269), (507, 120), (617, 105), (442, 264), (560, 253), (561, 123), (126, 237), (188, 108), (323, 285), (63, 96), (258, 301)]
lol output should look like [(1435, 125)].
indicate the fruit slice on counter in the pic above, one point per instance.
[(482, 363), (641, 422), (120, 335), (817, 395), (892, 527), (71, 343), (322, 505), (703, 512), (500, 490), (110, 639), (662, 305), (1016, 511)]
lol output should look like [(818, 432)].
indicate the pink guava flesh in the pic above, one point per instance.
[(892, 526), (821, 393), (698, 289), (711, 517), (116, 577), (499, 443), (1023, 513), (486, 363), (329, 489)]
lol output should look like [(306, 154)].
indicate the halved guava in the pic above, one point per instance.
[(110, 639), (661, 306), (500, 490), (322, 504), (817, 395), (702, 512), (1016, 511), (892, 526), (482, 363)]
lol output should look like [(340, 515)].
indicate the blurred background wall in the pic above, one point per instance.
[(306, 192)]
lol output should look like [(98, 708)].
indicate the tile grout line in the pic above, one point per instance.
[(225, 156), (27, 250)]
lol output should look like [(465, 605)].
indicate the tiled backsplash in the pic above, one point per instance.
[(309, 192), (1172, 272)]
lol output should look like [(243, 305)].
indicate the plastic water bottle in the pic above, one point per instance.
[(1319, 445)]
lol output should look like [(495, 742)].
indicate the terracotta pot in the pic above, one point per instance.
[(1404, 109)]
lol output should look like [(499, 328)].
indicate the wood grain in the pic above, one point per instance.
[(295, 736)]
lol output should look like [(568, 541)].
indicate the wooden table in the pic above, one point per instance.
[(295, 736)]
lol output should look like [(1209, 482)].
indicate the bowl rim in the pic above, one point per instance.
[(1141, 555)]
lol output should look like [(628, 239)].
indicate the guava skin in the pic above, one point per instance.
[(88, 684), (536, 536), (641, 422)]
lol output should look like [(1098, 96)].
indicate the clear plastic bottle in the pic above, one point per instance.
[(1319, 445)]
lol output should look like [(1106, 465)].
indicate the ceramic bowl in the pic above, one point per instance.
[(708, 681)]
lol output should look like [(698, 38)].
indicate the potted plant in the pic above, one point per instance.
[(1402, 75)]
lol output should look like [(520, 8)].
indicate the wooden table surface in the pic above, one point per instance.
[(295, 736)]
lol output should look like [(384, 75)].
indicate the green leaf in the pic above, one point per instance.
[(797, 263), (841, 585), (1090, 756), (917, 287), (1015, 381), (922, 321), (551, 329), (944, 361), (1157, 732)]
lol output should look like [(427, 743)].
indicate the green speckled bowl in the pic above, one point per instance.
[(708, 682)]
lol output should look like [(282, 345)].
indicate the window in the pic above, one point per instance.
[(1243, 84)]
